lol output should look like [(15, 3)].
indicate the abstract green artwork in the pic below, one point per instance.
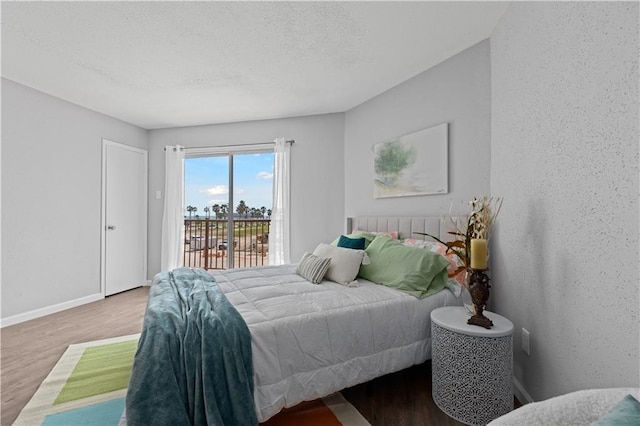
[(413, 164)]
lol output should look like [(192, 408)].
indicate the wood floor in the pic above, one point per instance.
[(30, 350), (399, 399)]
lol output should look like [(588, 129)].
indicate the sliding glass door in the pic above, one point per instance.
[(227, 209)]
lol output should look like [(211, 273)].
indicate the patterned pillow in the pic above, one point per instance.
[(441, 249), (421, 243), (391, 234), (454, 286), (313, 268)]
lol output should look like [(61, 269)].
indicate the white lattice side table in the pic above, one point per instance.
[(471, 367)]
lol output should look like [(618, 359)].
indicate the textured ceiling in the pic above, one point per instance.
[(171, 64)]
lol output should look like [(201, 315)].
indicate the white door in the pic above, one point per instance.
[(124, 260)]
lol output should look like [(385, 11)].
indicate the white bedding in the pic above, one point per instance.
[(311, 340)]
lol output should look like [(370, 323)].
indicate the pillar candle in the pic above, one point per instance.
[(478, 253)]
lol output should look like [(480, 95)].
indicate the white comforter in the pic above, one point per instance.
[(311, 340)]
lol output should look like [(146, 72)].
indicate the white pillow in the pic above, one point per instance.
[(345, 263)]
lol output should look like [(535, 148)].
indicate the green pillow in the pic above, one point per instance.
[(626, 412), (413, 270)]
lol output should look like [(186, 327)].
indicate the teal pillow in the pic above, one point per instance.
[(409, 269), (624, 413), (352, 243), (368, 237)]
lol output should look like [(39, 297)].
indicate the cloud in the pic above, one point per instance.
[(217, 190), (264, 175)]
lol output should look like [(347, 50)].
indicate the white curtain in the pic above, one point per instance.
[(279, 239), (172, 219)]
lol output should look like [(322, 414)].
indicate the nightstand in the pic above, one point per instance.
[(471, 366)]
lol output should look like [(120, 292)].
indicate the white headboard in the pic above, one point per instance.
[(406, 226)]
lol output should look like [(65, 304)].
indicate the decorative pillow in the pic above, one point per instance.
[(368, 237), (431, 245), (454, 287), (626, 412), (391, 234), (313, 268), (409, 269), (441, 249), (345, 263), (352, 243)]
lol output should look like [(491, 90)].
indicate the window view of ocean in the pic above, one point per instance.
[(209, 219)]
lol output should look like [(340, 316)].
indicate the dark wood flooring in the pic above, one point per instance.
[(399, 399), (29, 350)]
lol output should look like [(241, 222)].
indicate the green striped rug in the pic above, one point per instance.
[(86, 387)]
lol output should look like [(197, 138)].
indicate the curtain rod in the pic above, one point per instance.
[(292, 141)]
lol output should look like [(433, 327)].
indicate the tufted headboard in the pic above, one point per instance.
[(407, 226)]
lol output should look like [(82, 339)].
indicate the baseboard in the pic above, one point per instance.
[(37, 313), (147, 284), (520, 392)]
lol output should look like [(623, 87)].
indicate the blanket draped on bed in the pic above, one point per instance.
[(193, 365)]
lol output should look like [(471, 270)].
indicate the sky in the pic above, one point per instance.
[(206, 181)]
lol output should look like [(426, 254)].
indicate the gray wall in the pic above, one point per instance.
[(565, 158), (51, 197), (317, 173), (458, 92)]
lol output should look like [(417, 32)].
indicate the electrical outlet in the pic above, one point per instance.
[(526, 345)]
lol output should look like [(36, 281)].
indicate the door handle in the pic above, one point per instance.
[(111, 227)]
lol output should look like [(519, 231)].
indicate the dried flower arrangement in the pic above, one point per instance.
[(476, 224), (483, 212)]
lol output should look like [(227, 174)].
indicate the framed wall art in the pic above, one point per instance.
[(413, 164)]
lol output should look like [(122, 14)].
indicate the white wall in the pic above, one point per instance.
[(51, 198), (456, 91), (317, 173), (565, 158)]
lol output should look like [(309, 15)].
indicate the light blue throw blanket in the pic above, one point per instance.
[(193, 365)]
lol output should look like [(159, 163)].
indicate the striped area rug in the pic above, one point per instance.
[(88, 386)]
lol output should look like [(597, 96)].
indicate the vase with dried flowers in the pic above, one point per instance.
[(468, 230)]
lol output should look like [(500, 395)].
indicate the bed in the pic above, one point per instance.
[(307, 340)]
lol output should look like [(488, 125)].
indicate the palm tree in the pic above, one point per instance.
[(269, 213), (224, 210), (206, 211), (263, 209), (216, 210), (191, 209), (242, 208)]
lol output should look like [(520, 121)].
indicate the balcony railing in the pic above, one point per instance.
[(207, 244)]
